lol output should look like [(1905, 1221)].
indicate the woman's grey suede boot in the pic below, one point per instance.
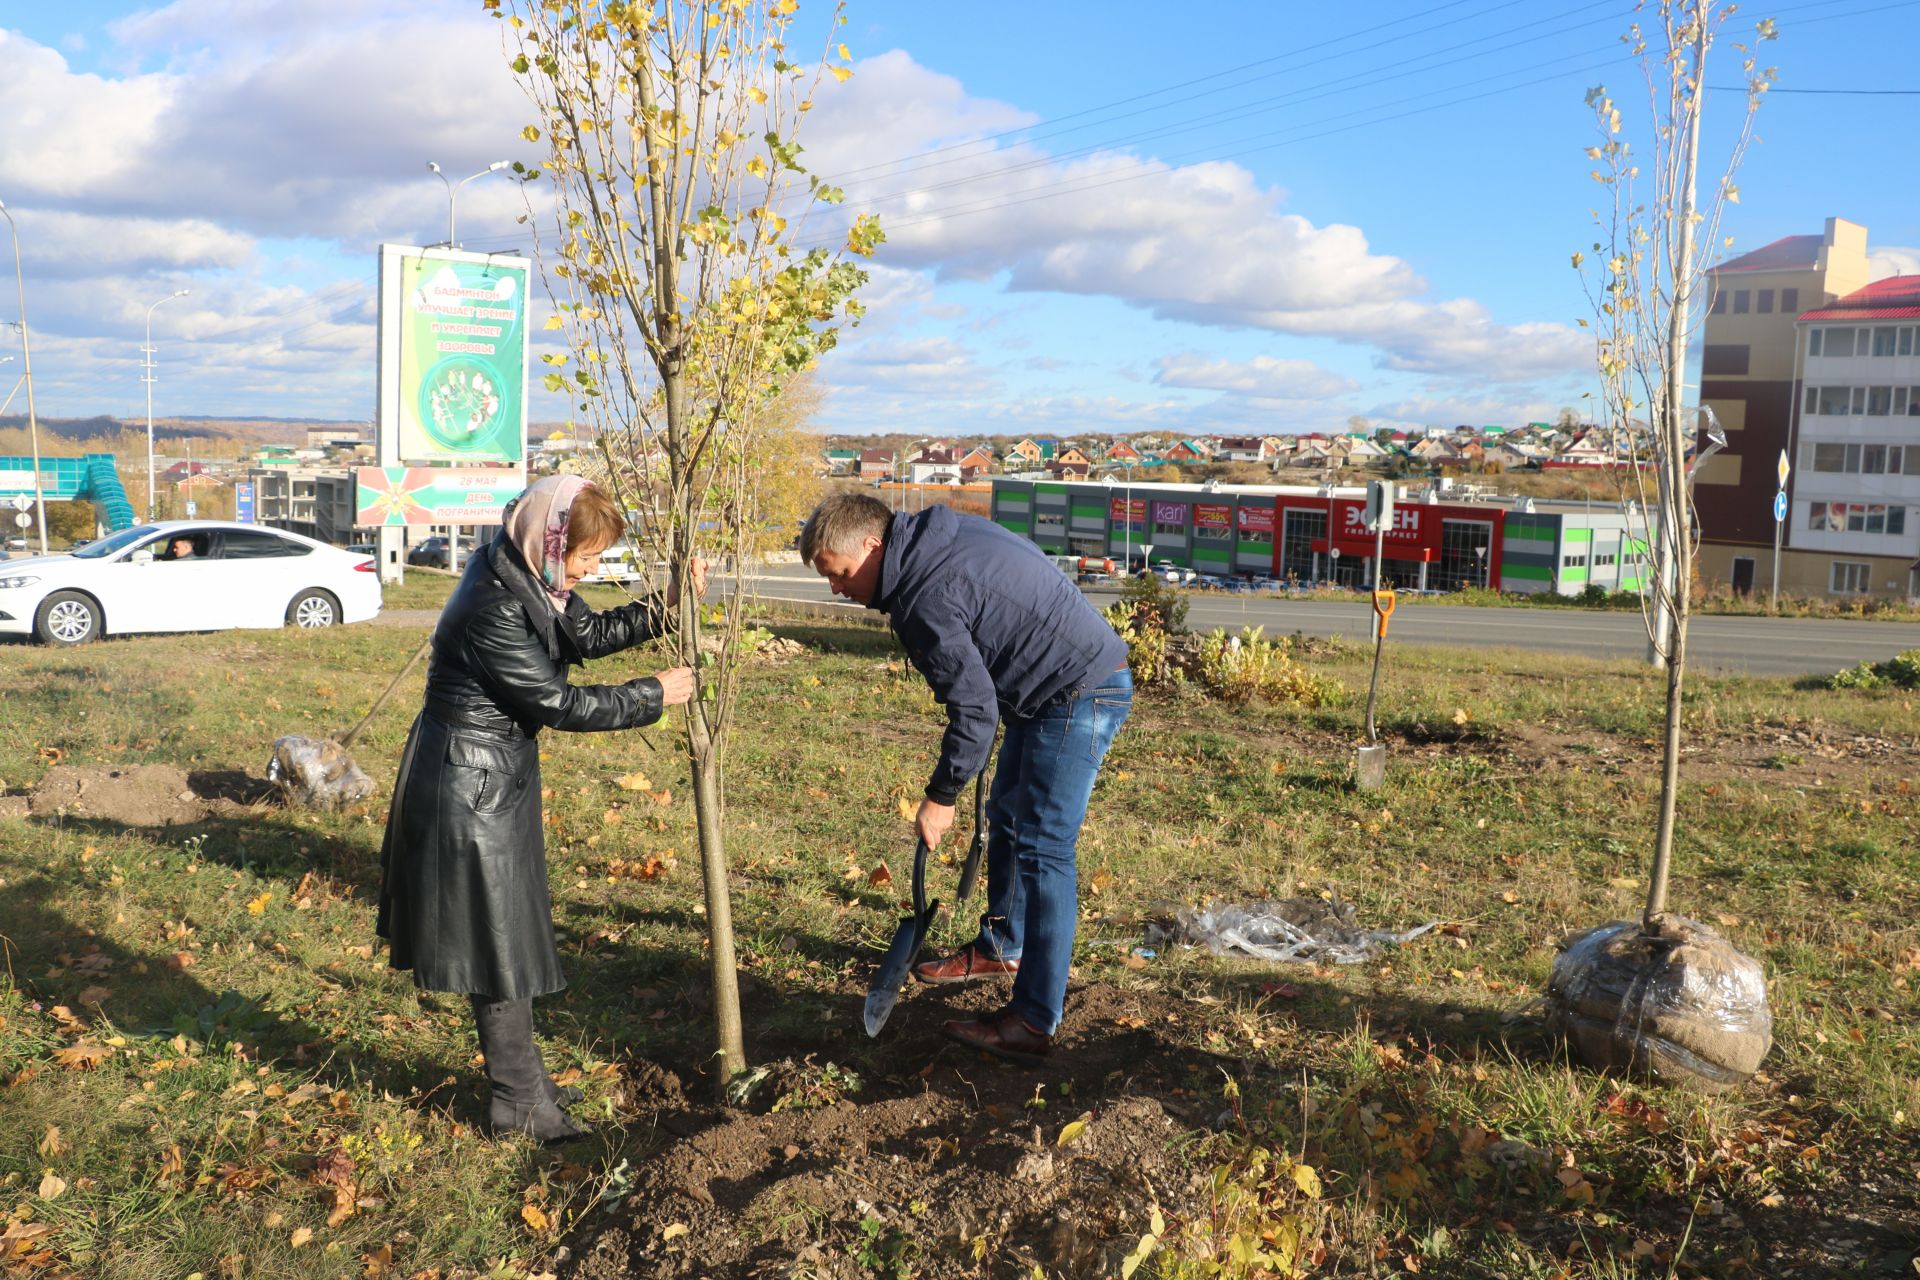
[(523, 1093)]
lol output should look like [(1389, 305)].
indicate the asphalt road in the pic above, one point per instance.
[(1759, 646)]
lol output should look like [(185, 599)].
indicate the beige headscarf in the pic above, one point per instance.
[(537, 526)]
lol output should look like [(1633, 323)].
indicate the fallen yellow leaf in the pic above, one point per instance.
[(259, 904), (300, 1236), (52, 1186), (535, 1217), (1071, 1130), (633, 782), (674, 1231), (909, 808)]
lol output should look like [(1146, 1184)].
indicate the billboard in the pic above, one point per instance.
[(243, 509), (1212, 519), (1255, 520), (433, 495), (1128, 512), (455, 326)]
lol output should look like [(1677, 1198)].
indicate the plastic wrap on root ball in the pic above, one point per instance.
[(1676, 1004), (316, 773)]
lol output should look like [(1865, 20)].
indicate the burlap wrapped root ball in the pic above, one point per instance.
[(1674, 1003), (316, 773)]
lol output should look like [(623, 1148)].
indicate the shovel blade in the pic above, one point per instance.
[(884, 991), (1370, 767)]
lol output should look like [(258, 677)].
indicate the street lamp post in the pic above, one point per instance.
[(147, 377), (453, 189), (26, 355)]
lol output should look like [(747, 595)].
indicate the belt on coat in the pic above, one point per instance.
[(456, 717)]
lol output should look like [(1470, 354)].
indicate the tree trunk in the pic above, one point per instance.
[(1675, 641), (729, 1048)]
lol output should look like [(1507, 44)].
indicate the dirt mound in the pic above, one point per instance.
[(954, 1167), (140, 795)]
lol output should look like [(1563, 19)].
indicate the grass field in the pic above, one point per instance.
[(208, 1067)]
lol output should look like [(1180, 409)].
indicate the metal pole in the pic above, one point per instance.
[(147, 376), (26, 355), (1778, 525)]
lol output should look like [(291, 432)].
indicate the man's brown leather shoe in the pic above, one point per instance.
[(968, 964), (1004, 1035)]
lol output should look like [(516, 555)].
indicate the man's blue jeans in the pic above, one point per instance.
[(1039, 799)]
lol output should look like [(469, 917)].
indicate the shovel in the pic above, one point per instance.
[(884, 991), (1370, 761)]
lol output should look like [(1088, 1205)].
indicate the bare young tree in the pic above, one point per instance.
[(1655, 242), (689, 294)]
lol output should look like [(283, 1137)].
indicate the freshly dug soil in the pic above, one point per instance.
[(140, 795), (951, 1167)]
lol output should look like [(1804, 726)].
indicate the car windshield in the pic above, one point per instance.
[(117, 542)]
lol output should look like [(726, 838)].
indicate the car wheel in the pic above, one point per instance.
[(314, 608), (67, 618)]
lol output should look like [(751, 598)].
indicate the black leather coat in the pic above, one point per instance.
[(463, 893)]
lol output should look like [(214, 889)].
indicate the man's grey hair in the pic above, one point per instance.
[(841, 522)]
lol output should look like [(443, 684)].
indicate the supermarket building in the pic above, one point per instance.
[(1313, 533)]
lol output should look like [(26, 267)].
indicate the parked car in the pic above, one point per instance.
[(1210, 582), (364, 549), (16, 544), (432, 553), (1094, 578), (618, 563), (239, 575)]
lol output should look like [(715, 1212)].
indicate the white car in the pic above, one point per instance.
[(618, 563), (237, 575)]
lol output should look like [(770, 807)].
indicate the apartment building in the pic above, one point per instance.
[(1748, 374), (1855, 513)]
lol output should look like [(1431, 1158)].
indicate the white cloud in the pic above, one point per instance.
[(1891, 260), (1264, 377), (1204, 242)]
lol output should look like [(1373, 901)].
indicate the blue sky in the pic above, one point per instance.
[(1101, 217)]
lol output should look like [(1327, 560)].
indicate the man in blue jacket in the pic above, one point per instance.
[(1002, 636)]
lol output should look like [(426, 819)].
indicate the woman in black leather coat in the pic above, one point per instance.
[(463, 894)]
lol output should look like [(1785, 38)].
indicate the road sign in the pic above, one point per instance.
[(1379, 509), (193, 509), (1783, 470), (23, 520), (22, 503), (1779, 507)]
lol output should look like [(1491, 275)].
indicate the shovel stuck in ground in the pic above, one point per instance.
[(1370, 761), (884, 991)]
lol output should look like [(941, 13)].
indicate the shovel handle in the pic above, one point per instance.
[(970, 869), (1383, 602)]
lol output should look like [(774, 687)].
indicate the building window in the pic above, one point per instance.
[(1849, 577), (1601, 561), (1832, 401), (1829, 457), (1905, 346), (1724, 359), (1900, 403), (1873, 459), (1765, 301), (1879, 401), (1719, 303), (1742, 301), (1175, 529), (1578, 561), (1859, 399), (1883, 340), (1813, 342), (1817, 517), (1789, 300), (1052, 521)]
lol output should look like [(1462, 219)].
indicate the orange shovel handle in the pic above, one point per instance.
[(1383, 602)]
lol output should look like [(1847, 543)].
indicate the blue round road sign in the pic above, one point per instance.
[(1779, 507)]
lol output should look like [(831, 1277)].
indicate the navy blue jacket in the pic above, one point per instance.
[(993, 626)]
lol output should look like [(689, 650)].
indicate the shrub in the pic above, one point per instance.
[(1239, 668), (1902, 671), (1167, 601), (1148, 654)]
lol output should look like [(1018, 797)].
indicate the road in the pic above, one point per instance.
[(1758, 646)]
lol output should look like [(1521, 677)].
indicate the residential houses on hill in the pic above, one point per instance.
[(1534, 446)]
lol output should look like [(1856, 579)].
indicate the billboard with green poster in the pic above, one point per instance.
[(456, 326)]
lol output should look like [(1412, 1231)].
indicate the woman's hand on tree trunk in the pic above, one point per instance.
[(698, 569), (676, 686)]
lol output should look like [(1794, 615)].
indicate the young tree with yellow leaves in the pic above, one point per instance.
[(687, 300)]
